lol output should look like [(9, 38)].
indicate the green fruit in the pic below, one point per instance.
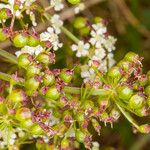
[(43, 58), (23, 113), (20, 40), (5, 13), (114, 72), (31, 85), (125, 92), (27, 124), (36, 130), (79, 22), (79, 117), (64, 143), (148, 100), (124, 64), (88, 104), (16, 96), (23, 60), (73, 2), (33, 41), (145, 128), (130, 56), (66, 75), (80, 136), (136, 101), (147, 90), (97, 19), (48, 79), (84, 31), (52, 93), (32, 70), (3, 36)]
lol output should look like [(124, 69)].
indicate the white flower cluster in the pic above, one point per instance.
[(103, 46), (10, 137), (30, 50), (18, 12), (57, 4)]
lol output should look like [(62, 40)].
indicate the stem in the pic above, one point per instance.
[(69, 34), (70, 90), (9, 56), (128, 116)]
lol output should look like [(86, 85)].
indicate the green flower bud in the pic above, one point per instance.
[(124, 92), (20, 40), (52, 93), (136, 101)]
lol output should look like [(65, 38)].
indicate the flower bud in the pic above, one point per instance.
[(23, 60), (52, 93), (23, 113), (80, 136), (88, 105), (66, 75), (136, 101), (124, 92), (114, 72), (145, 128), (20, 40), (17, 96)]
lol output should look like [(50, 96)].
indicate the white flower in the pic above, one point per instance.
[(81, 49), (57, 4), (95, 146), (52, 37), (30, 50), (32, 18), (29, 2), (56, 23)]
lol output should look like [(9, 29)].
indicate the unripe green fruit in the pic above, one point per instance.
[(145, 128), (33, 41), (147, 90), (84, 31), (124, 64), (52, 93), (97, 19), (114, 72), (4, 13), (16, 96), (43, 58), (130, 56), (3, 108), (80, 117), (23, 60), (66, 77), (79, 22), (31, 85), (148, 100), (136, 101), (88, 104), (48, 79), (36, 130), (64, 143), (3, 36), (141, 112), (73, 2), (27, 124), (32, 70), (148, 76), (80, 136), (125, 92), (20, 40), (23, 114)]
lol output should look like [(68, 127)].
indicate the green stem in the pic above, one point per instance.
[(9, 56), (128, 116), (67, 89)]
